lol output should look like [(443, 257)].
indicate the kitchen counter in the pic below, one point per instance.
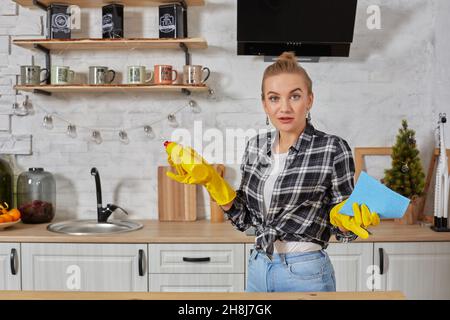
[(203, 232), (59, 295)]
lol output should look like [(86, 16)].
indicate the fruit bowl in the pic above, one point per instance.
[(5, 225)]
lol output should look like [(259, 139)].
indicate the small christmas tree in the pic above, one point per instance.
[(406, 175)]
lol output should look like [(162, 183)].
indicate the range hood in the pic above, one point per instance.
[(310, 28)]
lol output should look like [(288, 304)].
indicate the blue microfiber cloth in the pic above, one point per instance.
[(387, 203)]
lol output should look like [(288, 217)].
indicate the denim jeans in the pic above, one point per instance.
[(291, 272)]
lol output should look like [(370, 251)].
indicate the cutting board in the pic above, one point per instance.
[(217, 214), (176, 201)]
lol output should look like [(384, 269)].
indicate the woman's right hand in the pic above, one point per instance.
[(193, 169), (362, 219)]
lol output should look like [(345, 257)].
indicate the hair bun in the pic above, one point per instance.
[(287, 56)]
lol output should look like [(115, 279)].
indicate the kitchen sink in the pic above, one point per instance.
[(93, 227)]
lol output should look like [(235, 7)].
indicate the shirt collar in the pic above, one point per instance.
[(301, 144)]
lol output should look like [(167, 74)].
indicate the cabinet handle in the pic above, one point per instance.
[(141, 262), (12, 261), (205, 259), (381, 253)]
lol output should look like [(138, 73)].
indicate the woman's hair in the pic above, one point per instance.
[(286, 63)]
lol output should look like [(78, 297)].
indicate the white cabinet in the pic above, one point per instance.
[(420, 270), (196, 267), (10, 266), (353, 265), (84, 267)]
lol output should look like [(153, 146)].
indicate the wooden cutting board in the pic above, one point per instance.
[(176, 201), (217, 215)]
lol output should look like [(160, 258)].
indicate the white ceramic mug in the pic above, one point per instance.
[(193, 74), (61, 75), (137, 75)]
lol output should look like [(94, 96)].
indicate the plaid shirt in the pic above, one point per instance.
[(318, 174)]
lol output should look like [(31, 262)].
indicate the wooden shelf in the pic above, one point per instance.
[(100, 3), (111, 88), (107, 44)]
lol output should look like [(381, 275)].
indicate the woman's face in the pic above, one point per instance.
[(287, 101)]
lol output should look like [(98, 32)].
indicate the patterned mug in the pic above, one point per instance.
[(193, 75), (137, 75), (164, 74), (62, 75)]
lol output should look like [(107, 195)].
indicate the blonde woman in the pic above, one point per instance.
[(294, 181)]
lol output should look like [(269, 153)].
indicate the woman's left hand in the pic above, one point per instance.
[(362, 218)]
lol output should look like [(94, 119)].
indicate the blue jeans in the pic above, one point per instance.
[(291, 272)]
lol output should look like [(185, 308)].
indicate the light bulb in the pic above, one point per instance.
[(212, 95), (172, 120), (72, 131), (48, 122), (96, 137), (194, 107), (149, 132), (124, 137)]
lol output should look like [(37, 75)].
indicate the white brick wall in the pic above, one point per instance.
[(8, 8), (397, 72)]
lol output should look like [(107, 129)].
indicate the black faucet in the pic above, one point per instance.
[(103, 213)]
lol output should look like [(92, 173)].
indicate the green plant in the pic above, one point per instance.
[(406, 175)]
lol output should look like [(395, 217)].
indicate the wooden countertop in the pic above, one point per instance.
[(59, 295), (203, 232)]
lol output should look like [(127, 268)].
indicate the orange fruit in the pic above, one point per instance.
[(1, 219), (15, 214), (7, 217)]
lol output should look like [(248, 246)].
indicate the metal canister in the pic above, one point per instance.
[(58, 22), (112, 21), (172, 21)]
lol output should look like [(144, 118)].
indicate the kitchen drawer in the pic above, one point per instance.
[(196, 282), (196, 258)]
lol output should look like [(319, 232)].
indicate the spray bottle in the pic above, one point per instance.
[(189, 160)]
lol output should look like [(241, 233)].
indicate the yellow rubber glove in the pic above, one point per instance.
[(193, 169), (362, 218)]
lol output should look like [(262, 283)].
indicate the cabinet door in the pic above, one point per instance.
[(196, 283), (421, 270), (353, 265), (84, 267), (9, 266)]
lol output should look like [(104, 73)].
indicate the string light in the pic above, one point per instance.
[(96, 137), (72, 131), (172, 120), (194, 107), (123, 137), (212, 95), (149, 132), (48, 122)]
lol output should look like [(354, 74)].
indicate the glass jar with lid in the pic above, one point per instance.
[(6, 184), (36, 196)]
